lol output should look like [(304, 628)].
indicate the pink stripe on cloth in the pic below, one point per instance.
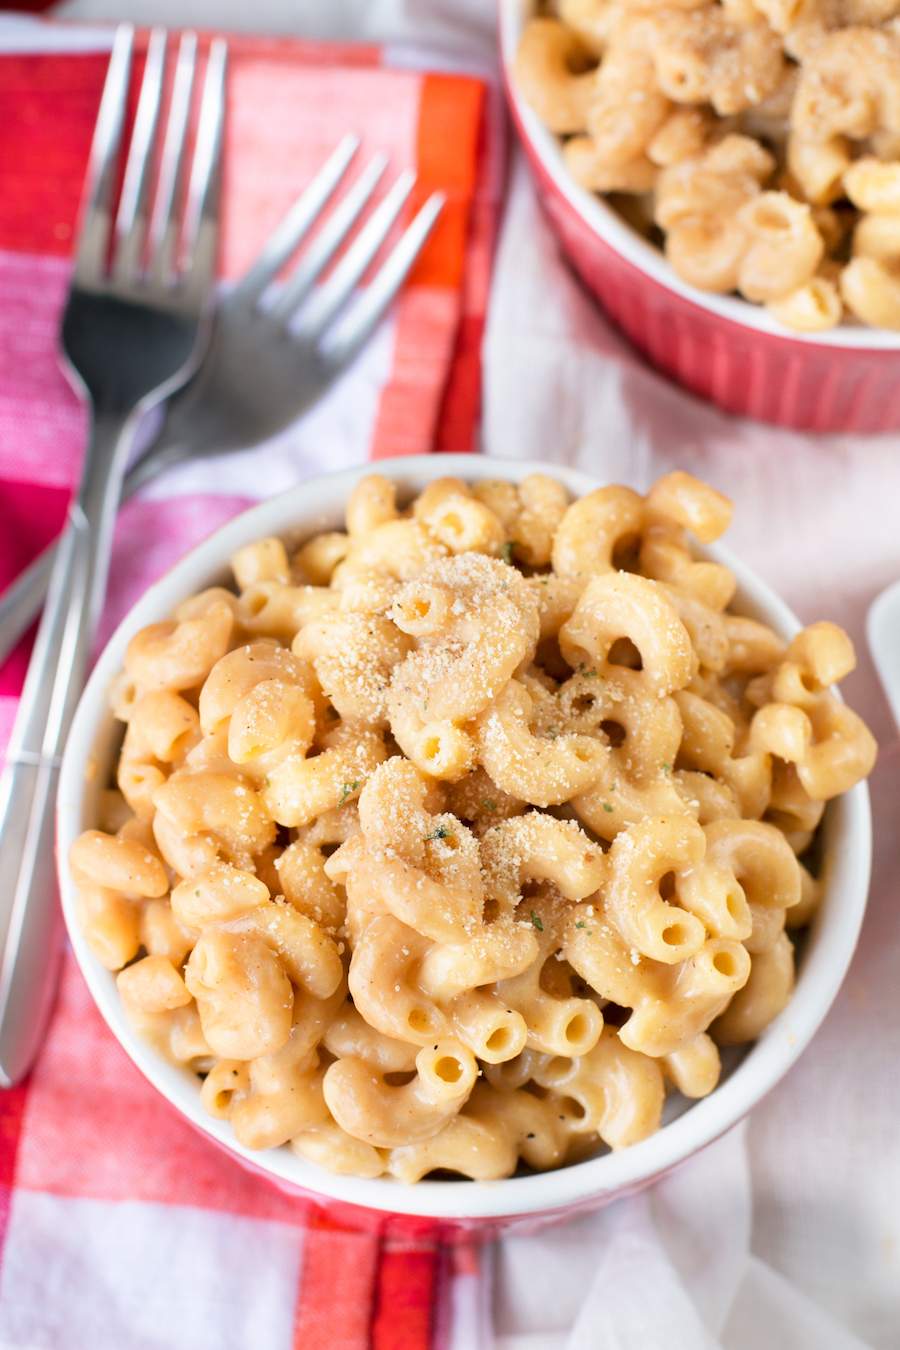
[(8, 706), (42, 423)]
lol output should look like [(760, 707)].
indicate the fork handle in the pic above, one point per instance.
[(33, 944), (21, 602), (22, 599), (29, 914)]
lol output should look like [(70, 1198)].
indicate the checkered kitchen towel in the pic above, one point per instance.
[(119, 1226)]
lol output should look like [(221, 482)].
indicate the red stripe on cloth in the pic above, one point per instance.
[(32, 516), (12, 1111), (460, 410), (48, 105), (337, 1285), (404, 1304)]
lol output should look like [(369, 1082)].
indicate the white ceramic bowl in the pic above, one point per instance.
[(720, 346), (318, 504)]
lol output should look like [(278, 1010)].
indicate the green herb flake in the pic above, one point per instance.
[(489, 804), (607, 806), (536, 920), (581, 924), (667, 768), (506, 552), (347, 790), (440, 833)]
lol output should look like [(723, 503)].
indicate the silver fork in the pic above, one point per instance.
[(223, 410), (130, 336)]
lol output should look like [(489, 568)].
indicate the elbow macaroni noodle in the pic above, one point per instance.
[(462, 863), (739, 125)]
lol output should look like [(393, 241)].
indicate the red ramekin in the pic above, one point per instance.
[(720, 347)]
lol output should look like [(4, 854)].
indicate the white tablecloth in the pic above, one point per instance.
[(786, 1234)]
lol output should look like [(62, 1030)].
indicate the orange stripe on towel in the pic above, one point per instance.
[(450, 112)]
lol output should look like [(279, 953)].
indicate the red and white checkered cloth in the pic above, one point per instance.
[(120, 1227)]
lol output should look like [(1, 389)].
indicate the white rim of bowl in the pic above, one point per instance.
[(614, 231), (316, 504)]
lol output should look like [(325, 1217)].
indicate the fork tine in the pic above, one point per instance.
[(298, 221), (202, 212), (365, 314), (163, 229), (131, 220), (90, 257), (338, 289), (329, 239)]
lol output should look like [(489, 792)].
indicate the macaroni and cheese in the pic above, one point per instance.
[(453, 841), (755, 138)]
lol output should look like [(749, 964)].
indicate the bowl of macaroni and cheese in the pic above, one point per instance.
[(466, 841), (725, 178)]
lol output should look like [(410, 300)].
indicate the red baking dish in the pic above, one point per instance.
[(720, 347)]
